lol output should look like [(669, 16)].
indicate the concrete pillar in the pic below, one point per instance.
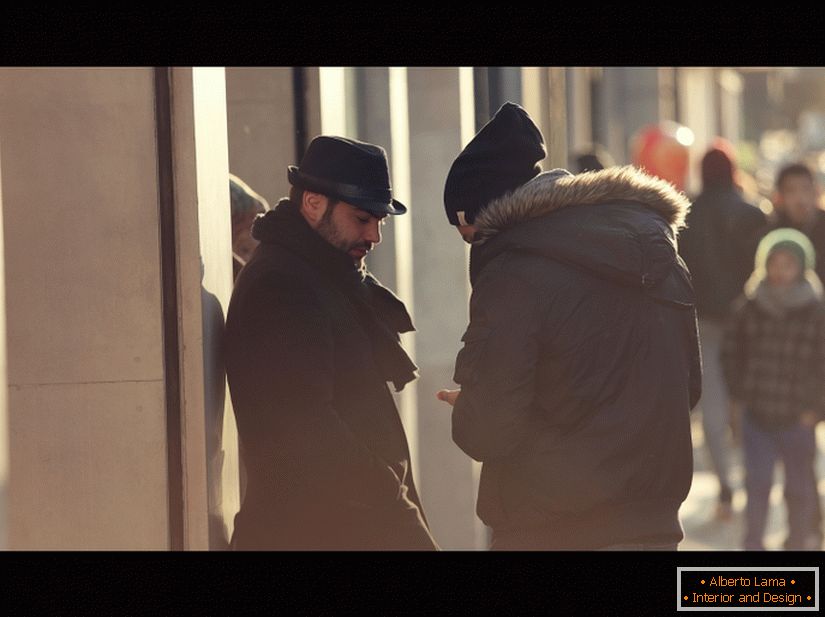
[(555, 130), (371, 103), (4, 419), (86, 390), (641, 98), (336, 92), (545, 99), (312, 98), (378, 102), (611, 106), (110, 329), (730, 85), (448, 483), (201, 168), (667, 93), (505, 85), (261, 125), (697, 112), (534, 94), (579, 117)]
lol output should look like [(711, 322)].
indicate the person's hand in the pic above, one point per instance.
[(808, 419), (448, 396)]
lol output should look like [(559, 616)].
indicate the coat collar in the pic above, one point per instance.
[(285, 225), (545, 194)]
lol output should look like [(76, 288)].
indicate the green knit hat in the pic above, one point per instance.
[(790, 240)]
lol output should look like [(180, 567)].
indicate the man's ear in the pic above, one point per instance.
[(313, 206)]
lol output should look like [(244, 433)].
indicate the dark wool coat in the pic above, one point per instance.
[(311, 343), (718, 246), (776, 365), (580, 364)]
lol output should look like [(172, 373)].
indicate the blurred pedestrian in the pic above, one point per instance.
[(580, 363), (246, 204), (773, 357), (796, 204), (312, 340), (718, 247)]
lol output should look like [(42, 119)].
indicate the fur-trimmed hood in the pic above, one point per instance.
[(547, 193), (618, 223)]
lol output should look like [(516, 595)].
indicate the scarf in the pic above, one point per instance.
[(380, 313), (779, 301)]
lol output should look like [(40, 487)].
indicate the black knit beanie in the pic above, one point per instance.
[(717, 168), (502, 156)]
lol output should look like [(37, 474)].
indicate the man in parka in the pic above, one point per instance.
[(581, 363), (312, 339)]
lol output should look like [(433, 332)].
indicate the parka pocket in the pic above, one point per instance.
[(466, 363)]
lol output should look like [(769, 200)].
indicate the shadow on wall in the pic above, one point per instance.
[(214, 385)]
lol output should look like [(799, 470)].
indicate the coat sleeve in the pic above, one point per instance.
[(291, 428), (695, 378), (496, 368)]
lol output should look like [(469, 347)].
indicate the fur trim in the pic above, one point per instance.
[(544, 194)]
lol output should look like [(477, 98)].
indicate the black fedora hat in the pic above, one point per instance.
[(350, 170)]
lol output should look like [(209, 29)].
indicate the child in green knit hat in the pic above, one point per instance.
[(773, 358)]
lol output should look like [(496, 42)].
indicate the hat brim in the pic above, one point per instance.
[(394, 207), (359, 198)]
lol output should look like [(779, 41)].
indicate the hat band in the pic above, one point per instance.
[(345, 191)]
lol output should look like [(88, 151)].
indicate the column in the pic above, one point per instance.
[(730, 113), (579, 125), (260, 109), (86, 382), (610, 114), (641, 98), (202, 217), (114, 303), (4, 419), (696, 108), (545, 99), (448, 483)]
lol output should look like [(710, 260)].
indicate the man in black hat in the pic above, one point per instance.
[(581, 362), (312, 339)]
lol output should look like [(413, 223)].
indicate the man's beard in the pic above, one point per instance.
[(329, 231)]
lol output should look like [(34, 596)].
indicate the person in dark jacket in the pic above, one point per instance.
[(718, 247), (245, 205), (312, 339), (580, 363), (796, 205), (774, 362)]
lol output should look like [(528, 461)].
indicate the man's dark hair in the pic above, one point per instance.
[(794, 169), (296, 196)]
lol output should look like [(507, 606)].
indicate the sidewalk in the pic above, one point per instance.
[(702, 531)]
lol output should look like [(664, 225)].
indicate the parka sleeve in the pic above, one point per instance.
[(695, 377), (496, 369), (292, 429)]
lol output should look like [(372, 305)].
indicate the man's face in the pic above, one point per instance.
[(467, 232), (243, 244), (797, 198), (350, 229)]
